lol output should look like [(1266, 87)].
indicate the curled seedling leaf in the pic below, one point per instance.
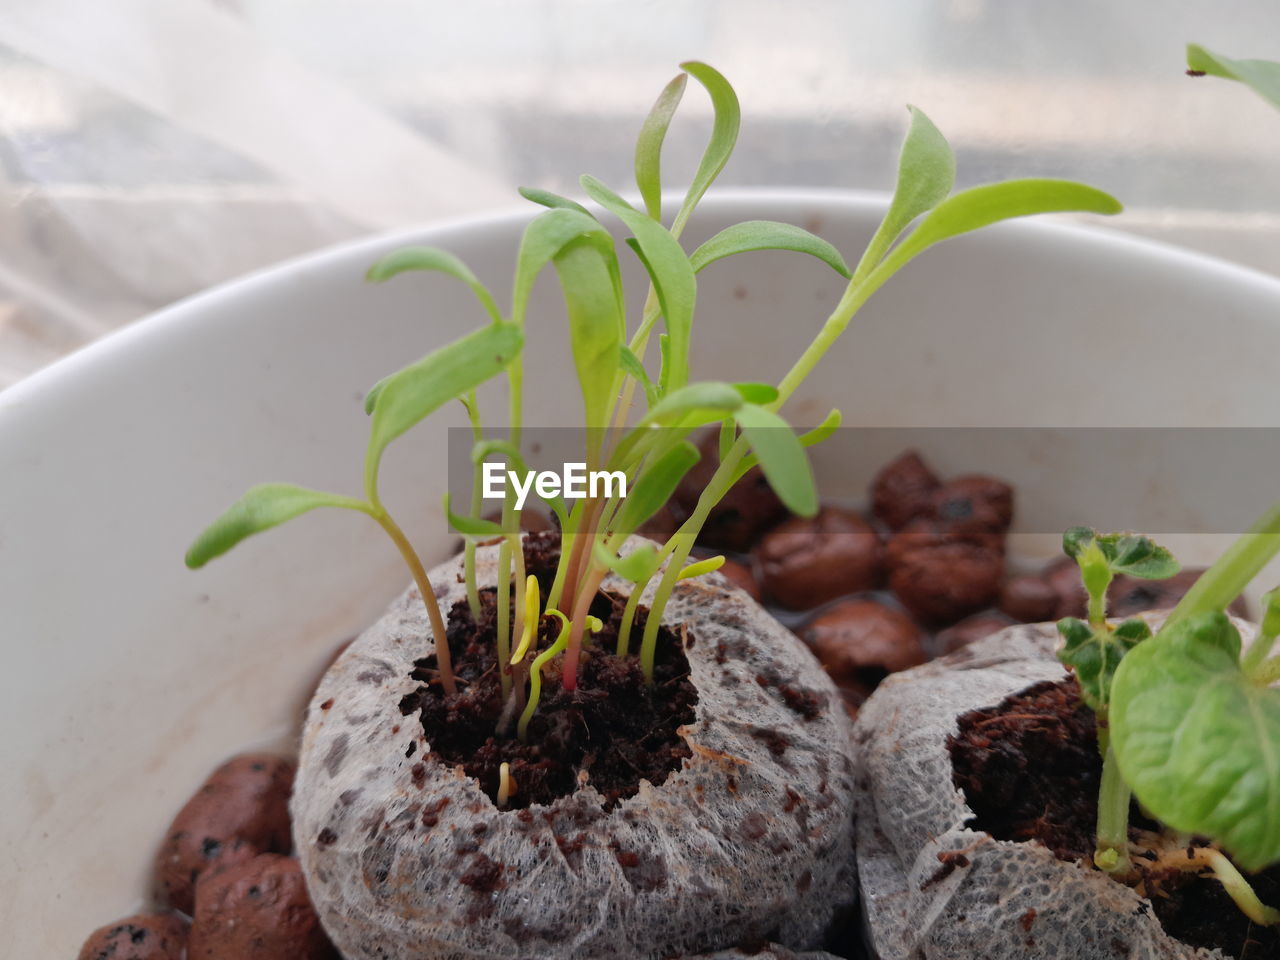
[(1263, 76), (1095, 654), (262, 507)]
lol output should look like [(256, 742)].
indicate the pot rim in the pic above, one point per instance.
[(363, 250)]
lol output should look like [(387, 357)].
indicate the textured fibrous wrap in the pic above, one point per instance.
[(1012, 900), (406, 858)]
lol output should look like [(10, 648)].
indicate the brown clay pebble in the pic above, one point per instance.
[(741, 576), (257, 910), (925, 533), (973, 504), (246, 800), (1029, 598), (746, 511), (147, 936), (860, 642), (804, 562), (903, 490), (970, 629), (941, 579)]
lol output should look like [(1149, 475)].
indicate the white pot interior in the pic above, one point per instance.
[(129, 677)]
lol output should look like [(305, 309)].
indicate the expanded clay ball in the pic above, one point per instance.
[(240, 811), (146, 936), (935, 889), (751, 838)]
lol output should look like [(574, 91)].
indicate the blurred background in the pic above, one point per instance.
[(151, 148)]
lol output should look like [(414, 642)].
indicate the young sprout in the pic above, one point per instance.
[(1186, 720), (1094, 650), (638, 420), (506, 784)]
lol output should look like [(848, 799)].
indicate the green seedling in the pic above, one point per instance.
[(1093, 650), (640, 406), (1193, 717)]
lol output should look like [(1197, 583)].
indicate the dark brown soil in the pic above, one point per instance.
[(1030, 769), (614, 728)]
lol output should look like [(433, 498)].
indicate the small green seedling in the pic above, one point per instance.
[(1094, 650), (1193, 716), (639, 412), (1184, 720)]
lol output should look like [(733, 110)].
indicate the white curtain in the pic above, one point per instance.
[(151, 148)]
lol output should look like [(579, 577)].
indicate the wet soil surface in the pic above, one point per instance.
[(1030, 770), (614, 730)]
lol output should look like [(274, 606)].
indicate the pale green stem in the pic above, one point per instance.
[(855, 295), (683, 541), (443, 659), (1255, 656), (469, 545), (1098, 610), (1233, 571), (535, 674), (1112, 853)]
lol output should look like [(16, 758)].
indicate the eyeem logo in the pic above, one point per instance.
[(574, 483)]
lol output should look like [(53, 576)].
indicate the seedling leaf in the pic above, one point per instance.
[(781, 457), (654, 487), (636, 566), (632, 366), (543, 240), (1198, 741), (982, 206), (471, 526), (649, 145), (1262, 75), (671, 273), (548, 199), (926, 175), (724, 135), (766, 235), (589, 279), (1095, 653), (709, 396), (421, 388), (262, 507), (441, 261)]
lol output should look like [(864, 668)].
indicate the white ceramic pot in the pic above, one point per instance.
[(126, 677)]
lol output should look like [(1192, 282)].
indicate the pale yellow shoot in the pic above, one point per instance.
[(532, 601), (710, 565)]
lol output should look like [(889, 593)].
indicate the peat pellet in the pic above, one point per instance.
[(903, 490), (806, 561), (245, 802), (973, 504), (970, 629), (1028, 598), (860, 642), (145, 936), (257, 910)]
